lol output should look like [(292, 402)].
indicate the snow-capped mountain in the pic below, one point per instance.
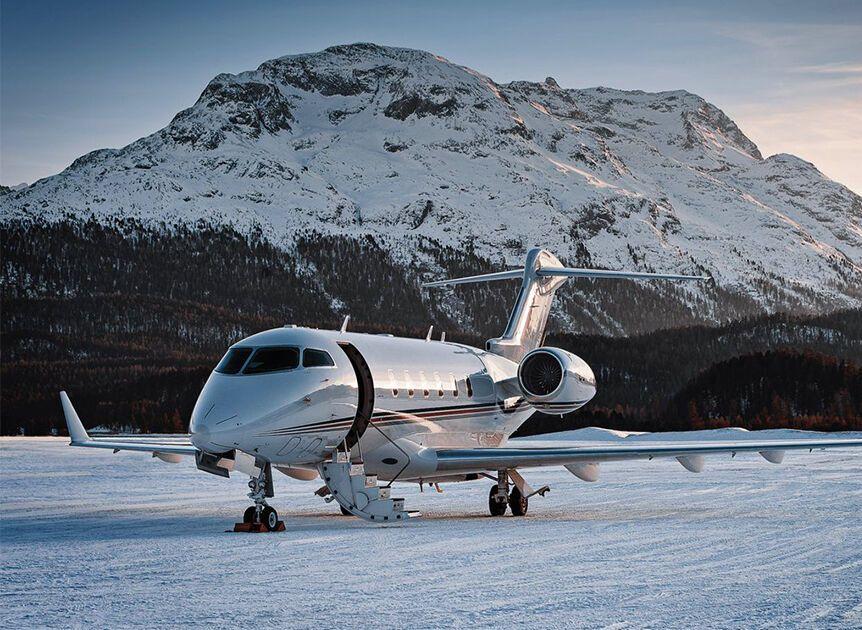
[(419, 152)]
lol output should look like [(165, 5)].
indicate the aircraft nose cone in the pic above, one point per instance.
[(201, 440), (198, 423), (203, 428), (206, 439), (199, 434)]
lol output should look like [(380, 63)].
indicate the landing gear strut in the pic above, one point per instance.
[(260, 516), (499, 494), (496, 501), (500, 497)]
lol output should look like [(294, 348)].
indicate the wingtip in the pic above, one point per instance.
[(77, 432)]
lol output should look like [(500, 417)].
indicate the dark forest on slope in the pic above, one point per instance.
[(762, 390), (130, 322)]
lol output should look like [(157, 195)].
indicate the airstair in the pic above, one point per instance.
[(359, 493)]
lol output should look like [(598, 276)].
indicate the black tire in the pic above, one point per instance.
[(518, 502), (269, 517), (248, 515), (345, 511), (495, 506)]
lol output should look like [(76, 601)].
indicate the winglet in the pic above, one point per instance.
[(76, 428)]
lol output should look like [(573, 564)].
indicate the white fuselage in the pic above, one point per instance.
[(421, 394)]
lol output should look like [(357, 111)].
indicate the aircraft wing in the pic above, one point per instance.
[(457, 460), (166, 450)]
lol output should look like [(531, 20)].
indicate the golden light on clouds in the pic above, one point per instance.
[(812, 106), (829, 134)]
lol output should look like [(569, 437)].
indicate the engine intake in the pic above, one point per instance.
[(541, 374), (556, 381)]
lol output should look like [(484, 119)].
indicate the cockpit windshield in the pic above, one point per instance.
[(272, 360), (233, 361)]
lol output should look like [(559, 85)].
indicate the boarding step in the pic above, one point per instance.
[(359, 493)]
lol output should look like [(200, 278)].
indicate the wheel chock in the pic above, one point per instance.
[(257, 528)]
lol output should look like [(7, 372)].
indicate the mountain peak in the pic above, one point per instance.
[(408, 148)]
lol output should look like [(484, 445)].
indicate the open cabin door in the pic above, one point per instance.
[(365, 402)]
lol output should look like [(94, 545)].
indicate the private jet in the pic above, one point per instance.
[(362, 411)]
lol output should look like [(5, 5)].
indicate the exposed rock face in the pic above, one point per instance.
[(411, 149)]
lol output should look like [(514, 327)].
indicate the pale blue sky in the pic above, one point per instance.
[(82, 75)]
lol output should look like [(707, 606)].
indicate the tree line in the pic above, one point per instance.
[(130, 320)]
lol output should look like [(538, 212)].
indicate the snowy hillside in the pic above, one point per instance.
[(416, 151)]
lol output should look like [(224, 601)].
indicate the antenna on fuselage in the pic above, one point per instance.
[(428, 336), (442, 336), (344, 323)]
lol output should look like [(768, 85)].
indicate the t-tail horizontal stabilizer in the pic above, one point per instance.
[(563, 272), (540, 277)]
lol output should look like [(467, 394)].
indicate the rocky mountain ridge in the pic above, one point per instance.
[(426, 157)]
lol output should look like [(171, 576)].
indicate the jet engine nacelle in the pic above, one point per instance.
[(556, 381)]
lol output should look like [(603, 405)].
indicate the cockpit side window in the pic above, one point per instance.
[(233, 361), (316, 358), (272, 359)]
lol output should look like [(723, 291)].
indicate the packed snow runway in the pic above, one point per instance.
[(96, 539)]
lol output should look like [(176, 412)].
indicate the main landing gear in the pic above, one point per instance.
[(260, 517), (497, 501), (500, 497)]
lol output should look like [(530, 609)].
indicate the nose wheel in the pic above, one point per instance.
[(260, 517)]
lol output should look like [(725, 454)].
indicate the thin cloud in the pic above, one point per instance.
[(821, 82), (803, 38), (827, 133), (832, 68)]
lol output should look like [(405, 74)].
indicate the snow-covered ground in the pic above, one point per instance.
[(95, 539)]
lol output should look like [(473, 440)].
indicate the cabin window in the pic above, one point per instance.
[(408, 383), (393, 384), (316, 358), (469, 388), (454, 385), (438, 384), (233, 361), (424, 383), (274, 359)]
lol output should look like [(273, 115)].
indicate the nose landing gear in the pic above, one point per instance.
[(260, 517)]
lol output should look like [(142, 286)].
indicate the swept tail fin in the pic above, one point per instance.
[(541, 276)]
